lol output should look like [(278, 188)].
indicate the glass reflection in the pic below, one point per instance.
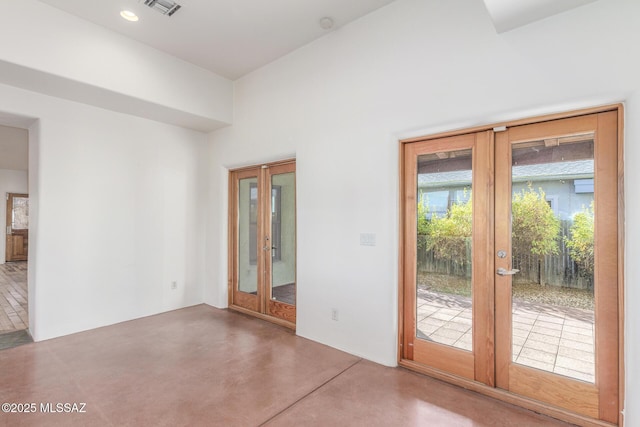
[(444, 221), (283, 238), (552, 246), (20, 213), (247, 235)]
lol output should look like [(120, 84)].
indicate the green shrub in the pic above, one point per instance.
[(447, 236), (423, 222), (534, 226), (580, 244)]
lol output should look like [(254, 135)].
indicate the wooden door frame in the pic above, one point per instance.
[(597, 399), (276, 309), (261, 171), (477, 386), (241, 300), (476, 364)]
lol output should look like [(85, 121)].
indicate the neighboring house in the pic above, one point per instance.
[(568, 186)]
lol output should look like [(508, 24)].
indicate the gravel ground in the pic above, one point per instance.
[(531, 292)]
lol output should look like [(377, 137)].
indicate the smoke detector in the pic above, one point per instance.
[(166, 7), (326, 23)]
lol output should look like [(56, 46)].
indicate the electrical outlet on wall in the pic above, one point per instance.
[(174, 285), (334, 314)]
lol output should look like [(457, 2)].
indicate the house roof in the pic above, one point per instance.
[(579, 169)]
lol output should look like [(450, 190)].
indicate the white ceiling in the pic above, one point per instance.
[(229, 37), (510, 14), (234, 37)]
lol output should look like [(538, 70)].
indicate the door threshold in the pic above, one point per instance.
[(261, 316)]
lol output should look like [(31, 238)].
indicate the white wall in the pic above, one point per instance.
[(14, 150), (116, 214), (11, 181), (414, 67)]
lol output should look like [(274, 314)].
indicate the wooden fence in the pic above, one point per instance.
[(553, 270)]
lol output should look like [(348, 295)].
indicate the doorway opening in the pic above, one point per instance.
[(14, 313)]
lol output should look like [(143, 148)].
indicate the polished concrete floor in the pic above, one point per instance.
[(206, 367)]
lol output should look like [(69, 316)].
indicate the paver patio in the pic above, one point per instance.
[(552, 338)]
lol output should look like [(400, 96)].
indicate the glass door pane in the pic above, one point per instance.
[(443, 246), (283, 238), (248, 235), (20, 213), (552, 210)]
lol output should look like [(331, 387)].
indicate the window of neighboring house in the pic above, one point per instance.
[(276, 220), (553, 203), (583, 185), (436, 203)]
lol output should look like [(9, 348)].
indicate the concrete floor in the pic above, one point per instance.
[(204, 366)]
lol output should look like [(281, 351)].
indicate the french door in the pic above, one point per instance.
[(510, 262), (262, 242)]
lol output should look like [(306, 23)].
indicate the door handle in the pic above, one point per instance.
[(501, 271)]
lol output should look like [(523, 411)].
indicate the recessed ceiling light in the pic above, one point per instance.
[(129, 16)]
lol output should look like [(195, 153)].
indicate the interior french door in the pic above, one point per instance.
[(262, 246), (510, 262)]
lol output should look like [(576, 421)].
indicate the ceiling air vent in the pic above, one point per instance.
[(166, 7)]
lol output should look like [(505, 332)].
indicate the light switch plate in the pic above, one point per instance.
[(367, 239)]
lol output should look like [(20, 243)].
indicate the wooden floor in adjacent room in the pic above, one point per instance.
[(13, 297), (201, 366)]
